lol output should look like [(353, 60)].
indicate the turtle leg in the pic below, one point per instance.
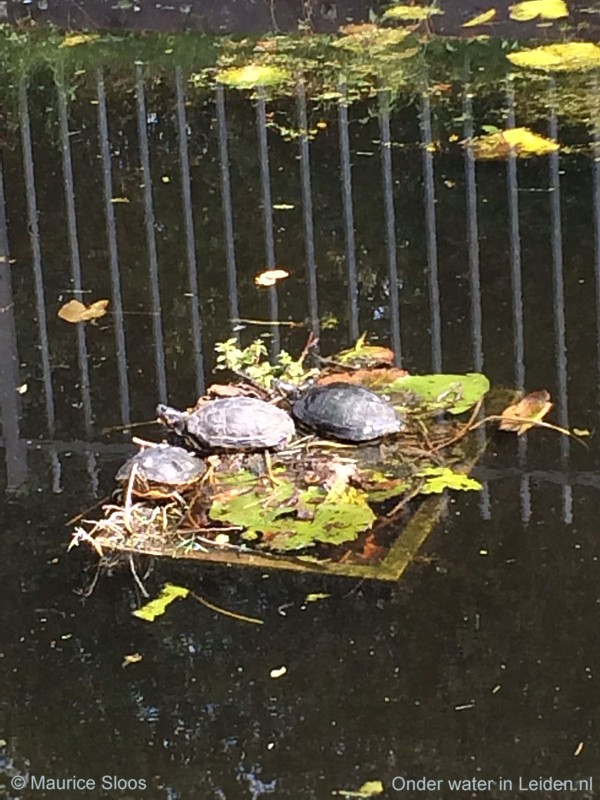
[(269, 468)]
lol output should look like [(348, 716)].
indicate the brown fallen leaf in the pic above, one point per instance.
[(75, 311), (523, 415), (372, 378), (270, 277)]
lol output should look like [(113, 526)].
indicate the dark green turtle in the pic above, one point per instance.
[(161, 470), (230, 423), (347, 412)]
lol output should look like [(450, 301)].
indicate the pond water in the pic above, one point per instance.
[(135, 185)]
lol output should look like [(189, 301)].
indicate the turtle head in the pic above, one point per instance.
[(171, 418)]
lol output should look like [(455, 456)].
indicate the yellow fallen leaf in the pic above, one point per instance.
[(158, 606), (74, 311), (411, 13), (559, 57), (517, 141), (270, 277), (314, 596), (119, 200), (277, 673), (523, 415), (481, 19), (133, 658), (22, 389), (545, 9), (581, 432), (74, 39), (368, 789)]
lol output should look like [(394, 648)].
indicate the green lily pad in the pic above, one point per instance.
[(438, 479), (452, 393)]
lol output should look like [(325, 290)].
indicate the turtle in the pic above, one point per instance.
[(161, 470), (347, 412), (230, 423)]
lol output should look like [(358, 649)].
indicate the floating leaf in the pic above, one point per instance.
[(158, 606), (74, 311), (376, 379), (315, 596), (278, 672), (252, 75), (74, 39), (559, 57), (368, 789), (438, 479), (581, 432), (534, 406), (517, 141), (481, 19), (545, 9), (116, 200), (452, 393), (270, 277), (283, 206), (364, 355), (132, 658), (411, 13)]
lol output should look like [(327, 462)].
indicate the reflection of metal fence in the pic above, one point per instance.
[(15, 428)]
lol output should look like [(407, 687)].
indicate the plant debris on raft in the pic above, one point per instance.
[(315, 502)]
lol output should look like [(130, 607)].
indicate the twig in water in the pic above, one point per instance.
[(219, 610)]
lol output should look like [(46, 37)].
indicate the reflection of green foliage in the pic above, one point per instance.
[(349, 67)]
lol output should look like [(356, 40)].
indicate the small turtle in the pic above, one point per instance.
[(346, 411), (161, 470), (231, 423)]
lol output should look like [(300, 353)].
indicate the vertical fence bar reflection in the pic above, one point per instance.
[(517, 295), (82, 351), (113, 255), (307, 207), (265, 175), (346, 173), (159, 349), (186, 194), (69, 187), (559, 301), (10, 399), (472, 234), (234, 308), (390, 221), (596, 211), (431, 233), (36, 253), (474, 271)]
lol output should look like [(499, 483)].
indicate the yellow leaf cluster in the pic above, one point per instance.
[(559, 57), (517, 141), (411, 13), (252, 75), (545, 9), (74, 39), (74, 311)]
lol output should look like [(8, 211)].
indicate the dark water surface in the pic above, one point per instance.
[(482, 662)]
